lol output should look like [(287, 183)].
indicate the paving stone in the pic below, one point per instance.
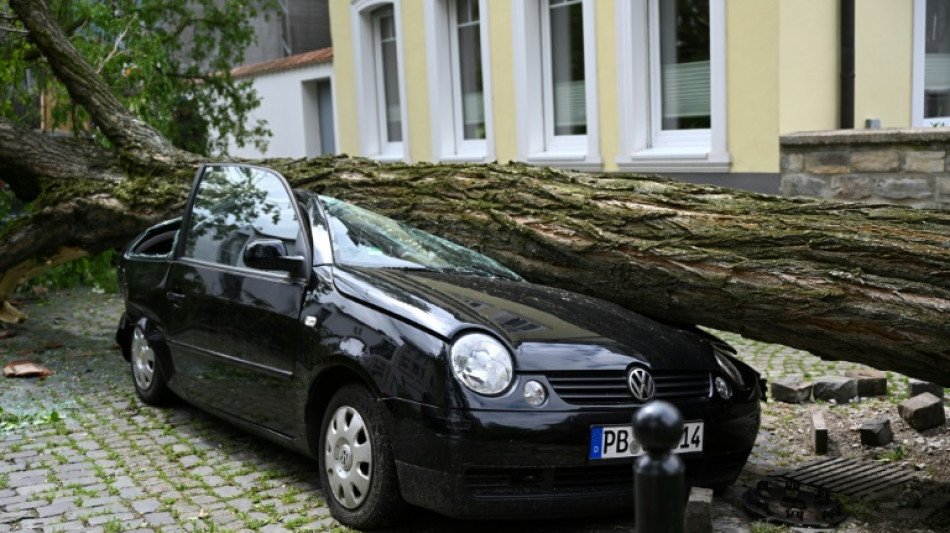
[(923, 411), (699, 511), (228, 492), (818, 433), (159, 519), (146, 506), (11, 516), (870, 382), (56, 508), (131, 493), (916, 387), (838, 388), (876, 433), (790, 390), (27, 490), (106, 518), (189, 461)]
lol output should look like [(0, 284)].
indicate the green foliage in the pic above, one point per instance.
[(10, 421), (96, 271), (168, 61)]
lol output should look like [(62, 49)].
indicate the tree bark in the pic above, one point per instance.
[(861, 283)]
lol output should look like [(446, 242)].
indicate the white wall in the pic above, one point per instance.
[(288, 105)]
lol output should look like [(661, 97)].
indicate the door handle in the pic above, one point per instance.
[(176, 299)]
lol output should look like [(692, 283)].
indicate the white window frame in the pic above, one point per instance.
[(536, 142), (370, 96), (448, 141), (918, 72), (643, 144)]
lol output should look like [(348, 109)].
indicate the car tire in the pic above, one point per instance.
[(357, 471), (147, 374)]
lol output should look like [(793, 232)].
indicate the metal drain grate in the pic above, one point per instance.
[(858, 479)]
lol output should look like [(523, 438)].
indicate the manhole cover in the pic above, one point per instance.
[(856, 479)]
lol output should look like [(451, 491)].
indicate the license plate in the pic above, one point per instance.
[(612, 442)]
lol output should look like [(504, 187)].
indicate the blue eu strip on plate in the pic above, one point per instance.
[(596, 438)]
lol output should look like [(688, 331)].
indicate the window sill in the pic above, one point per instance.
[(388, 158), (675, 159), (464, 158), (566, 160)]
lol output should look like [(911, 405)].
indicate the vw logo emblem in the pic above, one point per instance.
[(641, 384)]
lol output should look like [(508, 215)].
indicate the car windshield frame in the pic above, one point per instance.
[(365, 239)]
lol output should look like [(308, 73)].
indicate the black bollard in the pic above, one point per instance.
[(658, 476)]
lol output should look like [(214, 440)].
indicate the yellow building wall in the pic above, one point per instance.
[(608, 120), (782, 74), (883, 60), (344, 77), (417, 82), (809, 65), (503, 81), (752, 85)]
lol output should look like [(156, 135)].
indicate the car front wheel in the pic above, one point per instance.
[(146, 372), (357, 471)]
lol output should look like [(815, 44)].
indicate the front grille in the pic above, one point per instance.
[(609, 387)]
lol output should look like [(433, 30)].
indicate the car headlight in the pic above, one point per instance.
[(729, 369), (481, 363)]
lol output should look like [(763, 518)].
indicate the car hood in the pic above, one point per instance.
[(547, 327)]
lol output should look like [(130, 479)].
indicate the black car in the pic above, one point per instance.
[(414, 370)]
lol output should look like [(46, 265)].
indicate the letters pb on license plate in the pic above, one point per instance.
[(612, 442)]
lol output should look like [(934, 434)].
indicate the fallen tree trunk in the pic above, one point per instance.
[(869, 284)]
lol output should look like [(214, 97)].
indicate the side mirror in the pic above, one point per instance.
[(271, 254)]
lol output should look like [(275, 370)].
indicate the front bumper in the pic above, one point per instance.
[(512, 464)]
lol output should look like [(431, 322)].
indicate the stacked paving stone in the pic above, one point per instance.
[(922, 411)]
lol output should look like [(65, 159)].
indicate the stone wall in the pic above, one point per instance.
[(894, 166)]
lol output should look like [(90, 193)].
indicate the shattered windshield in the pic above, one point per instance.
[(366, 239)]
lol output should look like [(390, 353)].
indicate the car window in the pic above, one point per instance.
[(367, 239), (235, 206)]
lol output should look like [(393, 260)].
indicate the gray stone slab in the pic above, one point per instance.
[(699, 510), (838, 389), (790, 390), (916, 387), (818, 433), (876, 432), (923, 411), (870, 382)]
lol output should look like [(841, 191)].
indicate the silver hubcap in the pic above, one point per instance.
[(143, 360), (348, 456)]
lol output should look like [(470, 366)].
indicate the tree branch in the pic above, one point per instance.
[(135, 139)]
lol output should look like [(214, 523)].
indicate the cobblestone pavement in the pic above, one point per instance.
[(79, 452)]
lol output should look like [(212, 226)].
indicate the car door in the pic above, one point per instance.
[(234, 334)]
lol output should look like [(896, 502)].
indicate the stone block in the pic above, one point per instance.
[(877, 432), (902, 188), (699, 511), (851, 187), (916, 386), (791, 162), (877, 161), (818, 433), (923, 412), (870, 382), (929, 161), (835, 388), (790, 390), (803, 185), (828, 162)]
